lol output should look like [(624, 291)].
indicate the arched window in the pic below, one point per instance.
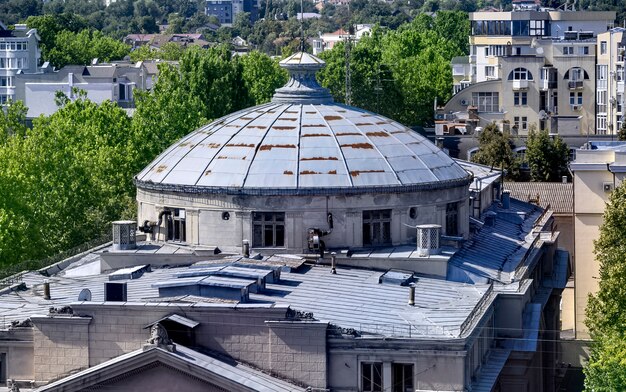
[(576, 73), (520, 74)]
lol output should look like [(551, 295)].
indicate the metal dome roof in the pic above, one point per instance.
[(302, 143)]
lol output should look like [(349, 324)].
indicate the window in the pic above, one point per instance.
[(520, 74), (6, 81), (619, 73), (520, 98), (601, 124), (486, 51), (377, 227), (583, 50), (372, 377), (176, 227), (452, 219), (268, 229), (490, 71), (602, 72), (619, 104), (402, 377), (486, 101), (537, 27), (520, 27), (602, 47), (575, 98), (520, 123), (567, 50), (600, 101)]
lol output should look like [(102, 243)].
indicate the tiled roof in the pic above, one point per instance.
[(560, 196)]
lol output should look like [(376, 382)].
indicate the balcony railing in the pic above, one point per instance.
[(547, 84), (575, 84), (520, 85)]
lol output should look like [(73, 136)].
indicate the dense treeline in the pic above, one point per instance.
[(399, 73), (63, 181)]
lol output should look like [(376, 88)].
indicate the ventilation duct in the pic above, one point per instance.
[(428, 237), (124, 235), (115, 292)]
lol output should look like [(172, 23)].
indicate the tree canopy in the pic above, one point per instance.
[(63, 181), (606, 319), (495, 150), (547, 156)]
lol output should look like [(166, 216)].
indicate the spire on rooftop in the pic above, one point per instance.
[(302, 87)]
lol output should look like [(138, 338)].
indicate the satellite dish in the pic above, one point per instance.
[(85, 295), (543, 115), (539, 51)]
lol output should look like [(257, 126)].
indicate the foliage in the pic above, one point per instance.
[(495, 150), (12, 121), (64, 180), (261, 76), (547, 156), (170, 51), (621, 133), (399, 73), (606, 319), (80, 48)]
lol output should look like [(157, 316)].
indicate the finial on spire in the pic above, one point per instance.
[(302, 86)]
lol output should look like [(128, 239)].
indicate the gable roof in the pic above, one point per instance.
[(560, 196), (230, 376)]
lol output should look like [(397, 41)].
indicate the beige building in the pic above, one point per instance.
[(529, 67), (610, 81), (597, 170)]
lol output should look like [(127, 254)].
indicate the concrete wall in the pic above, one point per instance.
[(296, 350), (17, 345), (60, 346), (205, 225)]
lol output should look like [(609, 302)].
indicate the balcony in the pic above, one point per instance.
[(520, 85), (547, 84), (575, 84)]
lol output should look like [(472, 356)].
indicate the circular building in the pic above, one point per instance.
[(299, 172)]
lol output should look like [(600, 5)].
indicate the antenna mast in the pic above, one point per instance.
[(302, 26)]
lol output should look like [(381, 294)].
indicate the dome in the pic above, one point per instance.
[(302, 143)]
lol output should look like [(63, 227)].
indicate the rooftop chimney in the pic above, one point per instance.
[(428, 240), (124, 235)]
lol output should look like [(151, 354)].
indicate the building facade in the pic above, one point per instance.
[(529, 67), (19, 54), (597, 170), (610, 81), (437, 280), (226, 10), (114, 82)]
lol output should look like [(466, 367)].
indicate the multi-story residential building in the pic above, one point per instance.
[(19, 53), (610, 81), (226, 10), (328, 41), (530, 66), (114, 82), (599, 167)]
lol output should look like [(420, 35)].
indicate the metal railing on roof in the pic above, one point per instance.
[(12, 274)]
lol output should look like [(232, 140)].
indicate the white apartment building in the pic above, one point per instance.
[(19, 53), (529, 66), (610, 81)]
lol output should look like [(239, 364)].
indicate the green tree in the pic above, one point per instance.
[(606, 319), (495, 150), (261, 76), (547, 156), (12, 121), (621, 134), (80, 48)]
